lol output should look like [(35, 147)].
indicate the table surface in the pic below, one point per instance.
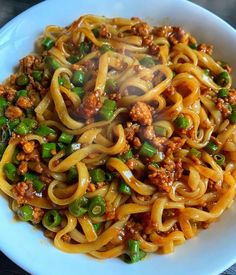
[(10, 8)]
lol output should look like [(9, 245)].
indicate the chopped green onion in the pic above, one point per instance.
[(124, 188), (111, 86), (97, 226), (195, 152), (22, 129), (37, 75), (147, 150), (38, 185), (160, 131), (10, 171), (126, 156), (14, 160), (223, 79), (110, 176), (207, 72), (193, 46), (147, 62), (85, 48), (52, 63), (105, 48), (22, 80), (135, 253), (3, 121), (13, 123), (44, 131), (96, 32), (219, 159), (181, 122), (30, 176), (73, 174), (222, 93), (97, 207), (211, 148), (74, 58), (106, 114), (30, 123), (20, 93), (72, 148), (61, 146), (232, 117), (25, 213), (107, 109), (154, 164), (79, 91), (47, 149), (78, 78), (3, 103), (65, 138), (79, 207), (97, 175), (61, 81), (48, 43), (51, 219), (3, 146)]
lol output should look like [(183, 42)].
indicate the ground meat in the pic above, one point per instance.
[(205, 48), (115, 96), (147, 40), (37, 215), (90, 105), (23, 191), (227, 68), (30, 62), (131, 130), (130, 163), (169, 91), (148, 132), (24, 102), (154, 49), (161, 177), (177, 36), (22, 168), (104, 32), (20, 156), (137, 143), (29, 146), (91, 187), (49, 234), (178, 170), (36, 166), (221, 106), (174, 144), (13, 112), (232, 97), (164, 31), (8, 92), (141, 29), (141, 113), (66, 238), (45, 178), (159, 143), (34, 156)]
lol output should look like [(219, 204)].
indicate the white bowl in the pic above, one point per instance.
[(213, 250)]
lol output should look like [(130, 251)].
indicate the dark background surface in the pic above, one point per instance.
[(226, 9)]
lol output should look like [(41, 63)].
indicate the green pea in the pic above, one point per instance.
[(22, 80), (78, 78), (223, 79)]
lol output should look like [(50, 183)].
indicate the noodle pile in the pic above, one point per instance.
[(118, 138)]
